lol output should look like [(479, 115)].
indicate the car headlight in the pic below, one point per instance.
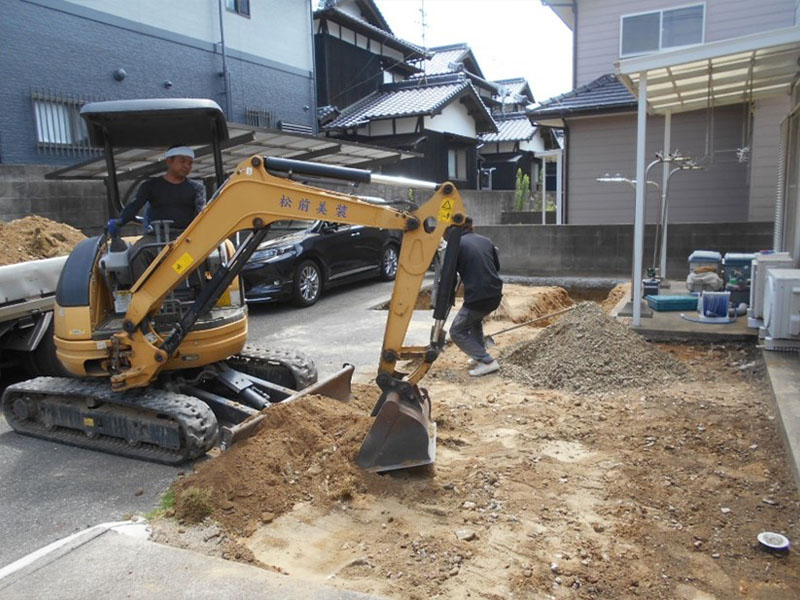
[(270, 254)]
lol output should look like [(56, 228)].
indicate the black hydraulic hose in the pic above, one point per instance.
[(446, 292), (301, 167)]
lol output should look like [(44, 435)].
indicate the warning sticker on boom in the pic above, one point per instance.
[(182, 263), (446, 210)]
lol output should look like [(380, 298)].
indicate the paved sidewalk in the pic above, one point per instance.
[(115, 560)]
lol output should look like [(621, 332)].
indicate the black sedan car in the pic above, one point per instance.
[(309, 256)]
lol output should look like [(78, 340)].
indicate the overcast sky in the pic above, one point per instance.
[(509, 38)]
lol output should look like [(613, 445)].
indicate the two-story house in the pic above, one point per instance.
[(715, 79), (734, 140), (255, 59), (376, 89), (518, 145)]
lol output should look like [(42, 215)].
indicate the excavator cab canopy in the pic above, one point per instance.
[(154, 123)]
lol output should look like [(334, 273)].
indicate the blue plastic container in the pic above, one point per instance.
[(704, 258), (663, 303)]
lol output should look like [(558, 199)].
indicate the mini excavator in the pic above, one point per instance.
[(161, 367)]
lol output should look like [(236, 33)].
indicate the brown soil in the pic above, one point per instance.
[(656, 491), (36, 237), (614, 297)]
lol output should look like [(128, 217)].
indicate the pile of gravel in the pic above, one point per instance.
[(588, 351)]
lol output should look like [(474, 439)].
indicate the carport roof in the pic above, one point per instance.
[(244, 141), (717, 73)]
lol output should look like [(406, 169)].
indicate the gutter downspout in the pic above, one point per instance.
[(574, 6), (314, 116), (225, 75)]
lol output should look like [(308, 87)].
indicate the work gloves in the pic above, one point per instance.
[(113, 227)]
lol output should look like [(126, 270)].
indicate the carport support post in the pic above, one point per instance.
[(664, 179), (641, 190), (544, 190), (558, 187)]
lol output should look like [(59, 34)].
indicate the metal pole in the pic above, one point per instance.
[(664, 179), (225, 75), (544, 186), (641, 190), (558, 189)]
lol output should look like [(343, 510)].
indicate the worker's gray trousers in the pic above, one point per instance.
[(467, 333)]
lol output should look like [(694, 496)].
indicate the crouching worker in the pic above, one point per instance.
[(171, 197), (478, 266)]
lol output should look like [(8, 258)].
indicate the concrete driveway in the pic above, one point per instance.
[(50, 490)]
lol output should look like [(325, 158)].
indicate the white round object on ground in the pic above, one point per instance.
[(773, 541)]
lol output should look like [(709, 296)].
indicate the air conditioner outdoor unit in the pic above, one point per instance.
[(782, 309), (761, 265)]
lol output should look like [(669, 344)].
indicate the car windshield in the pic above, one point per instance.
[(280, 228)]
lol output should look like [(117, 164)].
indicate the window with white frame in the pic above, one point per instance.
[(456, 164), (662, 29), (59, 126), (240, 7)]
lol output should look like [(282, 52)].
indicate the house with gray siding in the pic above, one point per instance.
[(255, 59), (735, 143)]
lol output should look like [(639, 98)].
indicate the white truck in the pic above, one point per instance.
[(27, 296)]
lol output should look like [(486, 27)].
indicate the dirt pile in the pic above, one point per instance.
[(588, 351), (522, 303), (36, 237), (614, 296), (303, 451)]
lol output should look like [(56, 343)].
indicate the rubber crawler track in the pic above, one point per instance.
[(197, 423), (272, 364)]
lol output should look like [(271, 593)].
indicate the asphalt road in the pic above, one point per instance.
[(49, 491)]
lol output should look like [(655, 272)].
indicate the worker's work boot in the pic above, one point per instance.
[(485, 369)]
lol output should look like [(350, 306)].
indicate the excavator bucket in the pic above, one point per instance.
[(402, 435), (337, 386)]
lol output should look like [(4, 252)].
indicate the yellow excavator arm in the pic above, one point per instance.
[(250, 200)]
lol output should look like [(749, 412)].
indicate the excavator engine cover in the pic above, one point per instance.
[(403, 434)]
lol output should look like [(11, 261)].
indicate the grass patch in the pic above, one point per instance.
[(193, 504), (165, 505)]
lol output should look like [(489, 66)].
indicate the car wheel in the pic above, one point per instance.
[(307, 283), (389, 263)]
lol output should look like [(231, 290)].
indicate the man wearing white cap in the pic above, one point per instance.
[(171, 197)]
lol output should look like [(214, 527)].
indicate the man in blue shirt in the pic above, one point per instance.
[(478, 265)]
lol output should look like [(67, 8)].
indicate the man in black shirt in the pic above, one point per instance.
[(478, 265), (171, 197)]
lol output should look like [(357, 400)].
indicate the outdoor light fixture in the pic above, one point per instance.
[(617, 178)]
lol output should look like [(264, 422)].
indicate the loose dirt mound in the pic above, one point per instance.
[(614, 296), (589, 351), (303, 450), (522, 303), (36, 237)]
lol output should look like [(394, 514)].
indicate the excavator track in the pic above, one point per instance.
[(288, 368), (149, 424)]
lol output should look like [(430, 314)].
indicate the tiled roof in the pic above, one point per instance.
[(511, 128), (442, 61), (604, 93), (387, 37), (369, 11), (326, 113), (450, 59), (412, 98), (518, 87)]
